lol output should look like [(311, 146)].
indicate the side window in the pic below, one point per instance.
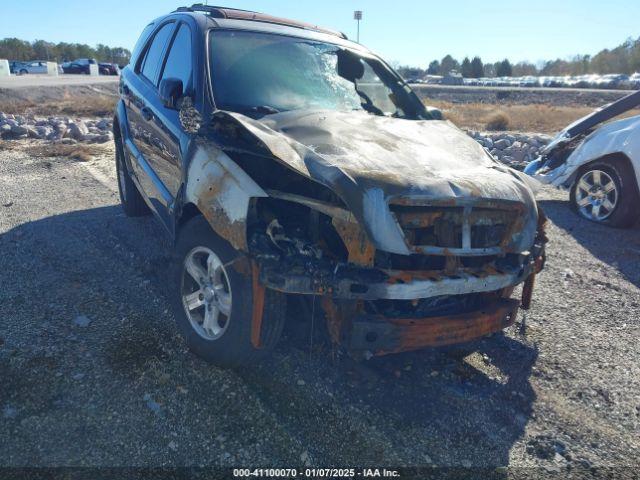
[(179, 60), (153, 58)]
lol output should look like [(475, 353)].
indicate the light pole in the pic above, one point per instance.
[(357, 15)]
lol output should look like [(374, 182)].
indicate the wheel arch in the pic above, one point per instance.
[(121, 132), (187, 212), (607, 158)]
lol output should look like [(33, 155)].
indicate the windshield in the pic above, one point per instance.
[(267, 73)]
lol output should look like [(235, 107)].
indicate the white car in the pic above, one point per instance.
[(37, 66), (600, 166)]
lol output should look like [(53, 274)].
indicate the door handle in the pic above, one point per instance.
[(147, 114)]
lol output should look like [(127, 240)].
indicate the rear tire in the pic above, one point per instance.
[(226, 340), (606, 192), (130, 198)]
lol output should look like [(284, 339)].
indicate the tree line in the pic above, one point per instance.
[(624, 58), (21, 50)]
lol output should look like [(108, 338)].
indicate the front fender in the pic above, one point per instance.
[(222, 191)]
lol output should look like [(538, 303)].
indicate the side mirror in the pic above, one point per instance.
[(170, 92)]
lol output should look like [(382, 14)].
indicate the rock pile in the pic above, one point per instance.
[(514, 149), (56, 129)]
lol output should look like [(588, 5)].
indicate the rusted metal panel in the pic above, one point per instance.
[(527, 291), (258, 306), (334, 318), (222, 191), (361, 250), (529, 284), (399, 335)]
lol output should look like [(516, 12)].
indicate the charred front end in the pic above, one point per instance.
[(453, 287), (406, 253)]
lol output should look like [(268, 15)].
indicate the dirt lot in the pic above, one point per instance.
[(93, 373)]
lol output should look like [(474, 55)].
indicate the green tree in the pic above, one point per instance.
[(16, 49), (465, 68), (410, 72), (489, 70), (434, 68), (44, 50), (447, 64), (521, 69), (503, 68), (477, 68)]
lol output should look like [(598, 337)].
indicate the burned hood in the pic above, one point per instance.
[(368, 160)]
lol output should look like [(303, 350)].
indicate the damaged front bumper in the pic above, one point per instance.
[(350, 293), (353, 283), (380, 335), (559, 176)]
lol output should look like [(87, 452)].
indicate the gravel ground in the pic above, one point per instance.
[(93, 373)]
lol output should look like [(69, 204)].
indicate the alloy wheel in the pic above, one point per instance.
[(206, 293), (596, 195)]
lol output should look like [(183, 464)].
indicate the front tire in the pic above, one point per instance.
[(213, 302), (606, 192)]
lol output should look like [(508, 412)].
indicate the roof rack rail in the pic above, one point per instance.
[(237, 14)]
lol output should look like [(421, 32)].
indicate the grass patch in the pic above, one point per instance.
[(81, 153), (524, 118), (86, 107), (81, 106)]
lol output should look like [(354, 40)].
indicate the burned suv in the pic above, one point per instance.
[(283, 159)]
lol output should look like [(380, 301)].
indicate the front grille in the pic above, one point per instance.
[(445, 230)]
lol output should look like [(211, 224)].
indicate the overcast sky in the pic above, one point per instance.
[(410, 32)]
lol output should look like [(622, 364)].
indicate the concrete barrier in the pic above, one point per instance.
[(4, 68), (94, 70), (52, 69)]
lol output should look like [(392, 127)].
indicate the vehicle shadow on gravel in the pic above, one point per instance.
[(619, 248), (423, 408), (105, 329)]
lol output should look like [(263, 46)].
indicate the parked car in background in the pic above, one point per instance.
[(79, 66), (34, 67), (14, 66), (109, 69), (600, 166), (286, 161)]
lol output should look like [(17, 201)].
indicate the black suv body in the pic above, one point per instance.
[(283, 159)]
